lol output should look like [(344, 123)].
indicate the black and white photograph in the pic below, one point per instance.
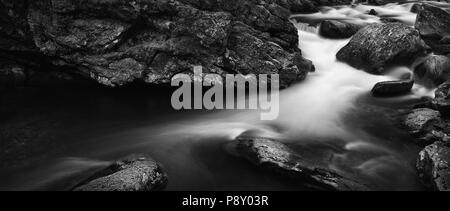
[(221, 96)]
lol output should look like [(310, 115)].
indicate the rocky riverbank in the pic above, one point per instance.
[(120, 42)]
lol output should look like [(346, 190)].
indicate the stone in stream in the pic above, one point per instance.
[(427, 126), (433, 166), (433, 24), (134, 173), (435, 69), (392, 88), (277, 157), (377, 46), (442, 99), (338, 29), (121, 42)]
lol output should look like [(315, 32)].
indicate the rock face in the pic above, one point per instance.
[(442, 99), (434, 166), (134, 173), (277, 157), (379, 45), (427, 126), (392, 88), (434, 26), (117, 42), (338, 29), (435, 69)]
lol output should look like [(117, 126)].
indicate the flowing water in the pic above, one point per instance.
[(330, 116)]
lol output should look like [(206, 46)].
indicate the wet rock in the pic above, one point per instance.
[(392, 88), (373, 12), (377, 46), (133, 173), (417, 120), (120, 42), (435, 69), (433, 166), (442, 99), (434, 24), (427, 126), (275, 156), (338, 29), (416, 8)]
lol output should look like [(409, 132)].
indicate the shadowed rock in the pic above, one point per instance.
[(377, 46), (337, 29), (133, 173), (433, 166), (392, 88), (275, 156), (442, 99), (434, 25), (426, 126), (118, 42), (435, 69)]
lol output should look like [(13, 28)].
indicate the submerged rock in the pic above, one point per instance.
[(433, 166), (435, 69), (338, 29), (377, 46), (392, 88), (434, 24), (275, 156), (133, 173)]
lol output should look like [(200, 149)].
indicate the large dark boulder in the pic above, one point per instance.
[(434, 70), (377, 46), (338, 29), (433, 166), (134, 173), (393, 88), (433, 23), (118, 42), (277, 157)]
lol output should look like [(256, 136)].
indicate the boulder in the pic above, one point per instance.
[(377, 46), (435, 69), (121, 42), (442, 99), (338, 29), (433, 24), (426, 126), (433, 166), (277, 157), (392, 88), (134, 173)]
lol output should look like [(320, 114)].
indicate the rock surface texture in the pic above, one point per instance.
[(120, 41), (133, 173), (434, 166), (433, 23), (377, 46), (275, 156)]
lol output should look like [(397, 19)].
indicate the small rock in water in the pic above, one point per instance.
[(433, 166), (416, 8), (377, 46), (435, 69), (338, 29), (134, 173), (275, 156), (373, 12), (392, 88)]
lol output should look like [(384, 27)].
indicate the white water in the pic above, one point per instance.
[(314, 110)]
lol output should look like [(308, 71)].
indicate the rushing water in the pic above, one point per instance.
[(330, 116)]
